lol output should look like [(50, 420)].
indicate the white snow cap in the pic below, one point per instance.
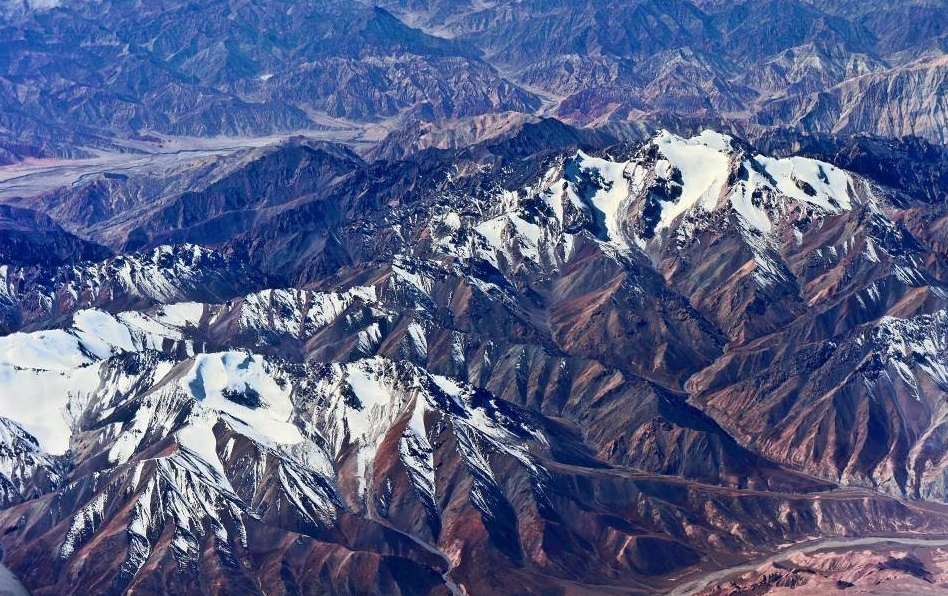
[(701, 168)]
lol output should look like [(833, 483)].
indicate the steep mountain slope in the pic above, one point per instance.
[(194, 464), (32, 238), (514, 367), (36, 295)]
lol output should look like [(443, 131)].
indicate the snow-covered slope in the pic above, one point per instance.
[(49, 376), (668, 193)]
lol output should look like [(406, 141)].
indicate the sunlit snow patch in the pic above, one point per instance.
[(241, 385)]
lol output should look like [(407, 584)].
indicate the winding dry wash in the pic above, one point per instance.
[(466, 297)]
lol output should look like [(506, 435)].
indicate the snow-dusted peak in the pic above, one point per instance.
[(248, 389), (46, 376), (711, 171), (93, 335), (711, 139), (161, 275), (608, 199), (21, 460), (361, 402), (165, 273), (672, 178), (363, 398), (697, 167), (671, 190), (298, 313), (809, 181)]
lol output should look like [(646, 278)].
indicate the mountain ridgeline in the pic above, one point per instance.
[(542, 363)]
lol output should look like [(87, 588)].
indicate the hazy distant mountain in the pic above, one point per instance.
[(80, 73), (87, 69)]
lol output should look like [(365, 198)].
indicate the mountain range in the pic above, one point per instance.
[(504, 368), (465, 297), (81, 74)]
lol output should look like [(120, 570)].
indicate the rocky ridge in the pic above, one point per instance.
[(546, 369)]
